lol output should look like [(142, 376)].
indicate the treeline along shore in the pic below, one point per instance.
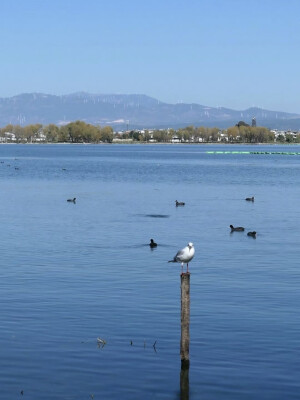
[(82, 132)]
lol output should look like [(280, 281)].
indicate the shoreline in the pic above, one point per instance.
[(155, 144)]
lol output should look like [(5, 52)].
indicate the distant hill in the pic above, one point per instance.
[(130, 111)]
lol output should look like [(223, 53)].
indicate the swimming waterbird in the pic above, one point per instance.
[(237, 228), (152, 244), (253, 234)]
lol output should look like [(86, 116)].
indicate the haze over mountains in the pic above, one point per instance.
[(131, 111)]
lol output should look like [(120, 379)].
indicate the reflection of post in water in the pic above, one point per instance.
[(185, 336), (184, 384)]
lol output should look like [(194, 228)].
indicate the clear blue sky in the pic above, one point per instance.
[(230, 53)]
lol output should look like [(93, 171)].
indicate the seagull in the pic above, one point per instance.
[(179, 203), (249, 198), (184, 256), (72, 200)]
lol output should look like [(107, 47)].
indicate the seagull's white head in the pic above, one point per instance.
[(190, 245)]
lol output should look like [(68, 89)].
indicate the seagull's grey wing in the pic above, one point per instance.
[(179, 254)]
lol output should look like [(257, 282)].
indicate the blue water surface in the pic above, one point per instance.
[(74, 272)]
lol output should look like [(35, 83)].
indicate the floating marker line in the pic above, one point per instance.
[(287, 153)]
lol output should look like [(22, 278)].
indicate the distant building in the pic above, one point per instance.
[(254, 122)]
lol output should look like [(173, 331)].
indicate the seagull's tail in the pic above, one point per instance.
[(172, 260)]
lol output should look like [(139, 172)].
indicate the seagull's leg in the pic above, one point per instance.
[(187, 268), (181, 268)]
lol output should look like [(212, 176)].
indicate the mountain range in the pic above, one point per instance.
[(132, 111)]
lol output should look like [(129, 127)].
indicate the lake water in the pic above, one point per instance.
[(72, 273)]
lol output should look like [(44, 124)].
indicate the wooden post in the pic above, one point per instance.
[(185, 321)]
